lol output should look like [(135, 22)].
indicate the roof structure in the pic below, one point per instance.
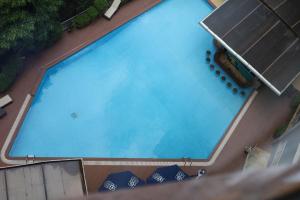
[(264, 35), (46, 180)]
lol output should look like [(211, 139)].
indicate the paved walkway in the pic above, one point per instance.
[(257, 125)]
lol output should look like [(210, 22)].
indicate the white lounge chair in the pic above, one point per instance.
[(113, 8), (257, 159), (5, 100)]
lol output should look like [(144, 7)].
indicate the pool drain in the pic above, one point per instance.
[(74, 115)]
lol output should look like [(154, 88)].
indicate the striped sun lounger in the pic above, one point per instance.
[(113, 8), (5, 101)]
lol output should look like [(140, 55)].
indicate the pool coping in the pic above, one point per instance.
[(123, 161)]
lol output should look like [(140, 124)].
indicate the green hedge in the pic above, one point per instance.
[(92, 12), (101, 5), (86, 17), (82, 20)]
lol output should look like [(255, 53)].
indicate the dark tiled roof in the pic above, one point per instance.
[(288, 11), (45, 180), (264, 35)]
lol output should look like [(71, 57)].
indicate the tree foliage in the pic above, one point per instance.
[(92, 12), (82, 20), (27, 24), (101, 5), (16, 23)]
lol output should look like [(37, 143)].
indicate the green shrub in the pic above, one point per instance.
[(295, 101), (5, 82), (9, 71), (101, 5), (82, 20), (280, 130), (12, 66), (92, 12)]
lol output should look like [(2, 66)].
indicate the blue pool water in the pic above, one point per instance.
[(142, 91)]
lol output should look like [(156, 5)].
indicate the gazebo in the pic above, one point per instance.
[(263, 35)]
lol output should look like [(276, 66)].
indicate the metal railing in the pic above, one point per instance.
[(68, 23)]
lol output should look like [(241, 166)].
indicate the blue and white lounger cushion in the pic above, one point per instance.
[(121, 180), (167, 174)]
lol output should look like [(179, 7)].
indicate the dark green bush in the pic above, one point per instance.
[(280, 130), (82, 20), (5, 82), (12, 66), (86, 17), (92, 12), (9, 70), (101, 5)]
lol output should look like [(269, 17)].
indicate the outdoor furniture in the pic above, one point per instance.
[(200, 173), (5, 101), (257, 158), (113, 8), (2, 112), (121, 180), (167, 174)]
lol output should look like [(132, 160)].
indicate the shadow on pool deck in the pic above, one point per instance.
[(258, 124)]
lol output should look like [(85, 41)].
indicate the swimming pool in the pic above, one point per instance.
[(142, 91)]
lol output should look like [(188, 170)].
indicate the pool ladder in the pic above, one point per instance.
[(187, 161), (30, 159)]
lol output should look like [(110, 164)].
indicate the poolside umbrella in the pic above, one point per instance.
[(167, 174), (121, 180)]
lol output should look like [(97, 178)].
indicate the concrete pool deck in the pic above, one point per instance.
[(255, 126)]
